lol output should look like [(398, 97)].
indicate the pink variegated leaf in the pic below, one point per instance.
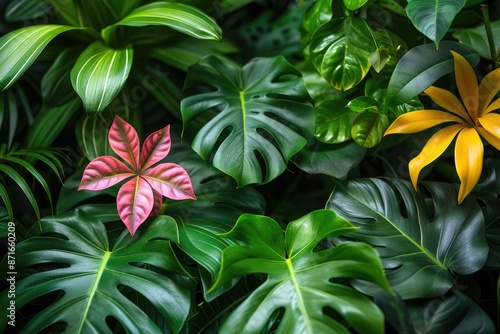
[(124, 140), (155, 147), (170, 180), (135, 202), (104, 172), (158, 198)]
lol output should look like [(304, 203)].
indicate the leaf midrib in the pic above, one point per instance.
[(300, 299), (99, 273)]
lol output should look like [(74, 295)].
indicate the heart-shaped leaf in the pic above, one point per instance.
[(262, 115), (300, 281), (421, 66), (186, 19), (333, 122), (20, 48), (369, 128), (340, 51), (99, 74), (433, 17), (90, 276), (422, 237)]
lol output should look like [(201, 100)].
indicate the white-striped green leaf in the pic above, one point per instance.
[(20, 10), (20, 48), (99, 74), (186, 19)]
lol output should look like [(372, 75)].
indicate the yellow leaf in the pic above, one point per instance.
[(489, 87), (434, 147), (447, 101), (467, 84), (420, 120), (469, 153), (495, 105)]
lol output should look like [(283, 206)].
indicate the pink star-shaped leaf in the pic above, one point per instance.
[(141, 196)]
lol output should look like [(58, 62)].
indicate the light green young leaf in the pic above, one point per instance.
[(300, 281), (92, 276), (260, 112), (354, 4), (183, 18), (20, 48), (99, 74), (433, 17)]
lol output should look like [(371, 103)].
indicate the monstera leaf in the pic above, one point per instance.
[(300, 281), (261, 115), (90, 277), (422, 237)]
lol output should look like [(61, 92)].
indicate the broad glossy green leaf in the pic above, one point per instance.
[(421, 66), (186, 19), (364, 103), (56, 85), (96, 14), (99, 74), (20, 48), (333, 122), (453, 313), (300, 281), (318, 13), (67, 11), (422, 237), (49, 122), (354, 4), (340, 51), (261, 115), (217, 207), (24, 10), (433, 17), (369, 128), (335, 160), (80, 263), (477, 39)]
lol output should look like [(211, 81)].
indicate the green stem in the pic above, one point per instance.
[(489, 34)]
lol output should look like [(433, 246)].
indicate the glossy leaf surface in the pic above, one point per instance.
[(340, 51), (76, 252), (99, 74), (333, 122), (421, 237), (433, 17), (261, 112), (421, 66), (477, 39), (20, 48), (299, 280), (184, 18), (368, 128)]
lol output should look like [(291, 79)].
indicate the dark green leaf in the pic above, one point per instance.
[(99, 74), (300, 281), (420, 67), (24, 10), (76, 253), (433, 17), (20, 48), (477, 39), (422, 237), (369, 128), (262, 115), (340, 51), (23, 185), (333, 122), (318, 13)]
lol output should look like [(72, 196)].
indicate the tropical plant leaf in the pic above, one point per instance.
[(262, 116), (477, 39), (20, 48), (421, 66), (318, 13), (24, 10), (333, 122), (422, 237), (368, 128), (76, 252), (433, 17), (99, 74), (186, 19), (453, 313), (4, 195), (354, 4), (300, 281), (335, 160), (56, 119), (340, 51), (217, 207), (67, 11)]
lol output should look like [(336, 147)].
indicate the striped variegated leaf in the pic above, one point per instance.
[(99, 74), (186, 19), (20, 48)]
